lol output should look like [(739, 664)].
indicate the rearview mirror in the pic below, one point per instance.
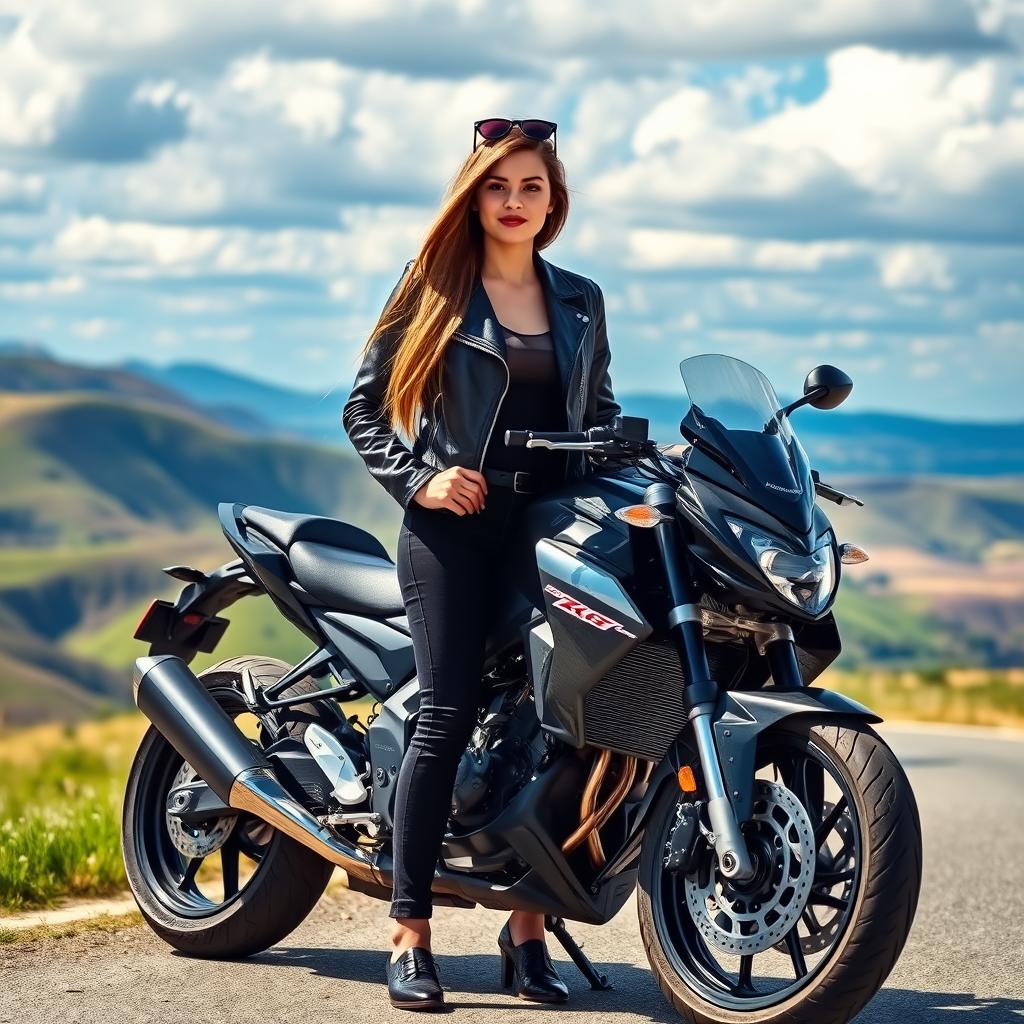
[(837, 387)]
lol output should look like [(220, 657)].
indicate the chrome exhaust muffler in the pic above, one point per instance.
[(174, 699)]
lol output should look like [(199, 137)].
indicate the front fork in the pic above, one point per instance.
[(701, 692)]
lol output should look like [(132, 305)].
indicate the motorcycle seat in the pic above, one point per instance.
[(350, 581), (285, 528)]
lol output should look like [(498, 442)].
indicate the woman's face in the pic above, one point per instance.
[(515, 198)]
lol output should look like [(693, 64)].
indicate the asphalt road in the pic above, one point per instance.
[(964, 957)]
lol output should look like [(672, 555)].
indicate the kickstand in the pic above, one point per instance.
[(557, 926)]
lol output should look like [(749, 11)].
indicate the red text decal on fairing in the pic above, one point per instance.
[(590, 616)]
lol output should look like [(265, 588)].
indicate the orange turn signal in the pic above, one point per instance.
[(640, 515), (687, 783), (852, 554)]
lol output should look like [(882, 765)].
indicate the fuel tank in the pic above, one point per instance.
[(578, 596), (579, 513)]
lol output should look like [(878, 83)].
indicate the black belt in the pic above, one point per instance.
[(521, 481)]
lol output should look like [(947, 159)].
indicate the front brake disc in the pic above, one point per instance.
[(741, 919)]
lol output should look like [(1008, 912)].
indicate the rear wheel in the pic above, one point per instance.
[(836, 842), (234, 885)]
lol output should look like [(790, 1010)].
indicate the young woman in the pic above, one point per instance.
[(480, 335)]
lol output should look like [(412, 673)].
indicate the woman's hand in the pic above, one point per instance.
[(458, 489)]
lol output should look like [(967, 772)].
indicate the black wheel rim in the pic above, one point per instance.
[(759, 980), (176, 879)]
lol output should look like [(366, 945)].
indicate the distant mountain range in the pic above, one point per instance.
[(840, 441), (109, 473)]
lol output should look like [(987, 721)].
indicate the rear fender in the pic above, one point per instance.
[(739, 717), (191, 623)]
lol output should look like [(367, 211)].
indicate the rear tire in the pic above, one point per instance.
[(289, 878), (883, 905)]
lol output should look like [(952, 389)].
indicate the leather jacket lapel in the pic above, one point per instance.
[(565, 303), (481, 322)]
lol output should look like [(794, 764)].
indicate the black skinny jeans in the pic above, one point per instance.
[(449, 567)]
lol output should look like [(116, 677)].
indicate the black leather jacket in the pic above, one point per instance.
[(456, 431)]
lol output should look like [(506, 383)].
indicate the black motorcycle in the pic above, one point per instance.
[(645, 722)]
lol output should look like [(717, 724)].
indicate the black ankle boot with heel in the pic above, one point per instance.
[(412, 981), (529, 963)]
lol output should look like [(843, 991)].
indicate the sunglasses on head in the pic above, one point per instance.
[(493, 128)]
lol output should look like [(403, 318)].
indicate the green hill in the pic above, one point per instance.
[(99, 492), (966, 518), (82, 468), (28, 371)]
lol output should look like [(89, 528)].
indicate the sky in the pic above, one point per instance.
[(790, 182)]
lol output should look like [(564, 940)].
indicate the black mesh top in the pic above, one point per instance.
[(534, 401)]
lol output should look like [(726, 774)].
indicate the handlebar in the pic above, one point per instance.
[(625, 440), (624, 434), (561, 439)]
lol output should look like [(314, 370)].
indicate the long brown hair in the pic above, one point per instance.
[(433, 296)]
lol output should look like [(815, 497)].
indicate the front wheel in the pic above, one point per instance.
[(835, 838)]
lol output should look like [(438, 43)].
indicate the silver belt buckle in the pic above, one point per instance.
[(515, 482)]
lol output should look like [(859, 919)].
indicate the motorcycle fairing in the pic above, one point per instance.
[(591, 625)]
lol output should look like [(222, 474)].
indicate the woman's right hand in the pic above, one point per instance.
[(457, 489)]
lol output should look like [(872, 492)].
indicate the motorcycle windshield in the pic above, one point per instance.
[(734, 408)]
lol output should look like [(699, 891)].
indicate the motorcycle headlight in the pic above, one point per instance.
[(805, 580)]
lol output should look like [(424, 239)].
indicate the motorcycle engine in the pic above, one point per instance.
[(506, 747)]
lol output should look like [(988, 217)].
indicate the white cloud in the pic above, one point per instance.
[(655, 248), (179, 182), (1007, 334), (96, 239), (304, 95), (35, 90), (97, 327), (896, 142), (194, 31), (16, 189), (53, 287), (140, 249), (841, 339), (915, 266), (342, 289), (736, 27), (195, 305), (926, 370)]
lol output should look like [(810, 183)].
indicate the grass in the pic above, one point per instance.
[(96, 923), (29, 565), (60, 810), (953, 696)]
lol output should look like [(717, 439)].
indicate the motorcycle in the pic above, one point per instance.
[(647, 723)]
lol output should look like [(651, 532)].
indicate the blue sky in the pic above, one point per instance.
[(789, 182)]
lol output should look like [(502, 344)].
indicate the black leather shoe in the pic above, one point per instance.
[(535, 974), (412, 981)]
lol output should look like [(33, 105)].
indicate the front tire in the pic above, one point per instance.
[(233, 917), (879, 833)]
